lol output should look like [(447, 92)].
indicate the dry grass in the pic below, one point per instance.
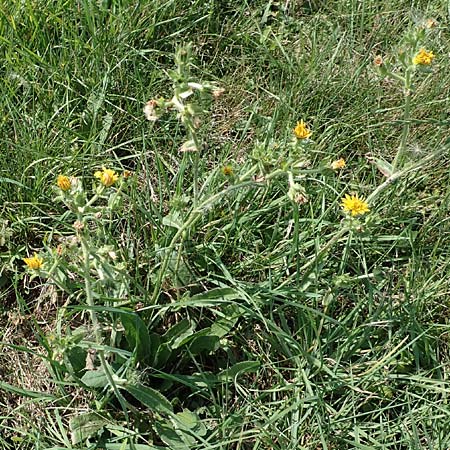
[(22, 359)]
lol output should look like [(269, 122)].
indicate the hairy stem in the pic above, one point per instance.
[(406, 122), (96, 323)]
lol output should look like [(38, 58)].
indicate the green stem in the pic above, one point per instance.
[(88, 290), (325, 248), (406, 121), (96, 323), (305, 268), (91, 201), (195, 214), (196, 161), (400, 173), (249, 172)]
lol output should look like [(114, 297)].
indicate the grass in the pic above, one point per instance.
[(199, 310)]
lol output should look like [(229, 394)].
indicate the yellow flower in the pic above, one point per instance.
[(423, 58), (301, 131), (107, 176), (63, 182), (34, 263), (227, 170), (338, 164), (354, 205)]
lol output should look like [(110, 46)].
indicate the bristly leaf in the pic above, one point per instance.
[(138, 337), (150, 398), (382, 165), (95, 378), (84, 426)]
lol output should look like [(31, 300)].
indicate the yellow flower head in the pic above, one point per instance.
[(338, 164), (107, 176), (63, 182), (354, 205), (301, 131), (34, 263), (227, 170), (423, 58)]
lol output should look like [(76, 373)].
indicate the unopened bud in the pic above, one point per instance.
[(150, 111), (78, 225), (378, 61), (217, 93)]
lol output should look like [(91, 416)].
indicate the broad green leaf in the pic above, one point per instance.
[(84, 426), (162, 355), (106, 126), (76, 360), (382, 165), (95, 378), (173, 219), (238, 369), (208, 343), (195, 382), (125, 446), (170, 437), (150, 398), (177, 334), (137, 335), (189, 421), (155, 343), (224, 325), (176, 329), (214, 297)]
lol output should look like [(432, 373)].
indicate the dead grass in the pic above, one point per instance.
[(22, 362)]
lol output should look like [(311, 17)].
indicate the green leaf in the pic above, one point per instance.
[(137, 335), (76, 360), (150, 398), (124, 446), (84, 426), (238, 369), (106, 126), (177, 334), (214, 297), (162, 355), (224, 325), (208, 343), (95, 378), (195, 382), (25, 393), (170, 437), (155, 344), (189, 421), (9, 180), (173, 219), (382, 165)]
